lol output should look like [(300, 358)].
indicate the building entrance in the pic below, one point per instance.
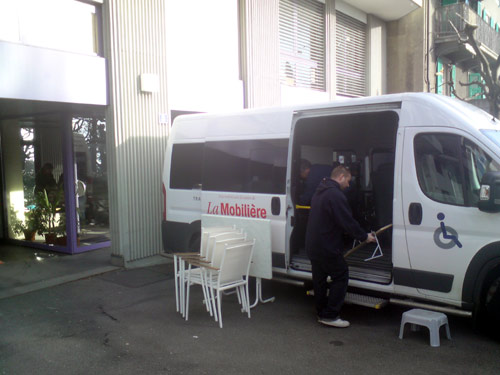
[(54, 172)]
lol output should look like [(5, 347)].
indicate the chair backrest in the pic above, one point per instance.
[(218, 229), (236, 260), (220, 245), (206, 232), (214, 239)]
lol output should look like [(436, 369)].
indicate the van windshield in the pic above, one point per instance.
[(494, 135)]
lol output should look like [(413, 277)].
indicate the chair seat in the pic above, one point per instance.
[(431, 319)]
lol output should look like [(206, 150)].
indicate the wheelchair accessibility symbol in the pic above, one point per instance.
[(445, 237)]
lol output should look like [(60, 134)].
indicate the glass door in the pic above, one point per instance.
[(91, 180)]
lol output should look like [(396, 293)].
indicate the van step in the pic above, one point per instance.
[(368, 301), (361, 300)]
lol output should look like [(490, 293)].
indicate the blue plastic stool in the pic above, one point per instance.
[(430, 319)]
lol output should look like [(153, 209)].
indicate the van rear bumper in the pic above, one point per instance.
[(176, 236)]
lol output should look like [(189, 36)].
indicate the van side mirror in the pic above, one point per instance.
[(489, 195)]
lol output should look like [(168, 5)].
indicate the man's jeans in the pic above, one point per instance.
[(328, 307)]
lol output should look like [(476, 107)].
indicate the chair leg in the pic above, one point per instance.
[(248, 298), (239, 296), (182, 287), (434, 334), (176, 284), (402, 329), (206, 297), (448, 334), (212, 296), (242, 298), (188, 284), (219, 308)]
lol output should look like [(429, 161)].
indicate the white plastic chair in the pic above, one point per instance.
[(180, 259), (232, 274), (197, 276)]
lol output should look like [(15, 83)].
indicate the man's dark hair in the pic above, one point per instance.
[(304, 164), (48, 166), (340, 171)]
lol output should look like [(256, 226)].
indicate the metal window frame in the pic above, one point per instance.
[(302, 35)]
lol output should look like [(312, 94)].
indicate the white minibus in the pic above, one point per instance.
[(427, 164)]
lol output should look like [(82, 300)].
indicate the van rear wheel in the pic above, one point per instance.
[(195, 242)]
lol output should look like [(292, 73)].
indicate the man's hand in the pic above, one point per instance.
[(370, 238)]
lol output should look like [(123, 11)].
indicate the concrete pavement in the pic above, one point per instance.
[(124, 322)]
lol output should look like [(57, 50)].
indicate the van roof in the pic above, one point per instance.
[(418, 109)]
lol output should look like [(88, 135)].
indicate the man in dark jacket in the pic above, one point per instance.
[(329, 219)]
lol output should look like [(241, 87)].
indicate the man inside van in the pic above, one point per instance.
[(330, 217)]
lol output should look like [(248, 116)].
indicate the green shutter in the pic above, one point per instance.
[(454, 78), (448, 2), (475, 89), (439, 77)]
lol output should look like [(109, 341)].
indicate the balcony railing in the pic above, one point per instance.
[(457, 13)]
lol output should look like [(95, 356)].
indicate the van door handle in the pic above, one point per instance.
[(415, 213), (275, 206)]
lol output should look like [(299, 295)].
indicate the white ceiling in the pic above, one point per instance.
[(387, 10)]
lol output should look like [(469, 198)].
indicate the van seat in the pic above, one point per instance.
[(383, 193)]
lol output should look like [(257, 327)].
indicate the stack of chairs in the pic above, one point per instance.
[(223, 263)]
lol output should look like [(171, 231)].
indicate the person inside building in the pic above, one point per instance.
[(45, 180), (329, 218)]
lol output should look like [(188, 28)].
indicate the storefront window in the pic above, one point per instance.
[(33, 166)]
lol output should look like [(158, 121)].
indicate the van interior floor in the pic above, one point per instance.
[(361, 267)]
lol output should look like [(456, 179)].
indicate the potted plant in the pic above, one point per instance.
[(49, 206), (28, 227), (61, 230), (31, 224)]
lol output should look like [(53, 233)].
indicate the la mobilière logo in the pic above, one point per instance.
[(244, 210)]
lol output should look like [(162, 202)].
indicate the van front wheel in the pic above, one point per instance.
[(489, 315)]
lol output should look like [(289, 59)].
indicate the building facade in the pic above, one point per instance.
[(91, 88), (436, 60)]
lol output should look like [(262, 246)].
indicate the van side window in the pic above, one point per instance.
[(450, 168), (439, 170), (249, 166), (477, 163), (185, 168)]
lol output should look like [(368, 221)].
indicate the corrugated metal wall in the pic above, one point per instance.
[(260, 52), (134, 39)]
